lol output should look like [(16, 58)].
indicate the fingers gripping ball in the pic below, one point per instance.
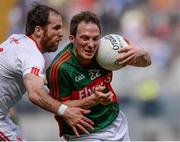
[(107, 52)]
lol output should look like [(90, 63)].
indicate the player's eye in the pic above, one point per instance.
[(96, 39), (57, 27), (85, 38)]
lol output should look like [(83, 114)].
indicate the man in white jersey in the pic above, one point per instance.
[(22, 66)]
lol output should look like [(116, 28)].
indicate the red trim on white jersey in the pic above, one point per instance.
[(35, 70), (38, 46), (1, 49), (3, 137)]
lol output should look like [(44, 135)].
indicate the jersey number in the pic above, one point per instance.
[(94, 74)]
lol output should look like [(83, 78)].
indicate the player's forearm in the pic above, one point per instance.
[(43, 100), (142, 60), (84, 103)]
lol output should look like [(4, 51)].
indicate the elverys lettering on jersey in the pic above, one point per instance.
[(78, 84), (19, 55)]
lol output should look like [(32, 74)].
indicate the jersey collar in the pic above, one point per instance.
[(38, 46)]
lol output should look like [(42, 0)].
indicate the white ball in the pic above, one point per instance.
[(107, 53)]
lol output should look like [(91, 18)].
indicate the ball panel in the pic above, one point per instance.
[(107, 52)]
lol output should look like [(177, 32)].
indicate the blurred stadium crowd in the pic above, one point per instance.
[(150, 97)]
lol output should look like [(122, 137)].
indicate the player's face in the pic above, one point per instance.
[(52, 33), (86, 41)]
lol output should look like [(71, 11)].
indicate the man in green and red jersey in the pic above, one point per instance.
[(78, 81)]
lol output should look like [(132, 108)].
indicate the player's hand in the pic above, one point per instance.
[(77, 121), (129, 53), (134, 56), (103, 98)]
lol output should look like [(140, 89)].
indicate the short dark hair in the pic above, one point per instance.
[(85, 16), (38, 16)]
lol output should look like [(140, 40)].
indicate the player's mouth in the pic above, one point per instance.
[(89, 53), (57, 41)]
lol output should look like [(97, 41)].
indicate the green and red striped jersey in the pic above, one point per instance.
[(68, 80)]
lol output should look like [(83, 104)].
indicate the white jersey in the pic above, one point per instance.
[(19, 55)]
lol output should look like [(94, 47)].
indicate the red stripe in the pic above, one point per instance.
[(56, 76), (1, 49), (52, 74), (38, 71), (32, 70), (3, 137), (35, 70), (57, 89)]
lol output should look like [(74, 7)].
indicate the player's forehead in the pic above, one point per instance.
[(89, 28), (54, 19)]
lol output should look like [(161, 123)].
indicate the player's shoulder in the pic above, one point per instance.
[(64, 56), (29, 48), (21, 44), (15, 39), (21, 40), (18, 37), (62, 61)]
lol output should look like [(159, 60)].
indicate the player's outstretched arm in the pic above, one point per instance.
[(39, 96)]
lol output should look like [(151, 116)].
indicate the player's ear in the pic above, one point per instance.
[(71, 38), (38, 31)]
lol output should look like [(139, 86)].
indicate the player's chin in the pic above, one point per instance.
[(53, 49), (89, 56)]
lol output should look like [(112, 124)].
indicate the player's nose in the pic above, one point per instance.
[(91, 43), (60, 33)]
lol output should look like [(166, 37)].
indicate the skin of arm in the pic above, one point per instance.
[(39, 96)]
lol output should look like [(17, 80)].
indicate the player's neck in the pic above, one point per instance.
[(37, 42)]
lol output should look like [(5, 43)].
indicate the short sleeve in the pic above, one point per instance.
[(34, 69), (33, 62)]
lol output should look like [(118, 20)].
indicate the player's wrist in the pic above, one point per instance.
[(62, 108)]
